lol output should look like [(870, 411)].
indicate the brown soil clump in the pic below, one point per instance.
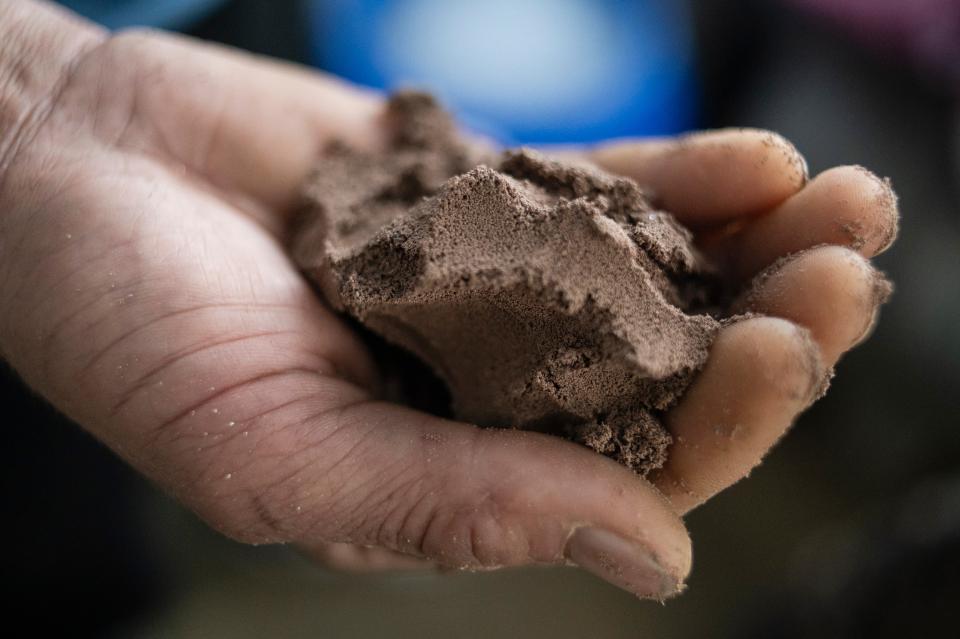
[(547, 295)]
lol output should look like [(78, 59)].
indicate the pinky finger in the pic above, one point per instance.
[(761, 374)]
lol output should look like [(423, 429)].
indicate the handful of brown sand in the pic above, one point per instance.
[(547, 295)]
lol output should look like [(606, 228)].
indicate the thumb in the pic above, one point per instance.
[(475, 498)]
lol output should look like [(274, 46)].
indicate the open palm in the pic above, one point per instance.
[(147, 294)]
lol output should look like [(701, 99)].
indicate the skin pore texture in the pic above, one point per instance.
[(148, 184), (548, 295)]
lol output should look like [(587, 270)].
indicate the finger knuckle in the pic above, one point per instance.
[(476, 534)]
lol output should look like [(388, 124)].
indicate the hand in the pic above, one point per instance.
[(144, 194)]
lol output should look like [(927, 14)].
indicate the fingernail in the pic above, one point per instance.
[(621, 562)]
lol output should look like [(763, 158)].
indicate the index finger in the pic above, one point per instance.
[(710, 177)]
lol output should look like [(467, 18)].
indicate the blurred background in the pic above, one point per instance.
[(852, 526)]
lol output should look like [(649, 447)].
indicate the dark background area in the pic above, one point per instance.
[(851, 528)]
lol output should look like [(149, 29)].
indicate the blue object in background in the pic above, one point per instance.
[(168, 14), (523, 71)]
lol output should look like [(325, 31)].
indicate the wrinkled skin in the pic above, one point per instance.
[(145, 187)]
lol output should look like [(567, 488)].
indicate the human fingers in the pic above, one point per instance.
[(760, 374), (710, 177), (830, 290), (847, 206), (378, 475)]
